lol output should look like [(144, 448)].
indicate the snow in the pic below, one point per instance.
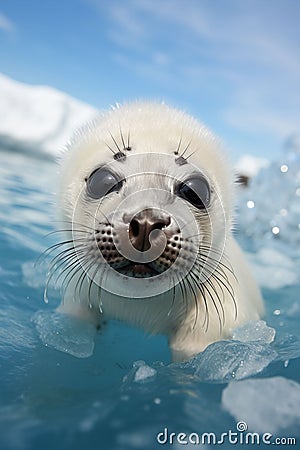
[(275, 402), (38, 118)]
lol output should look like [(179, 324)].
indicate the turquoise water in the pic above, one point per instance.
[(127, 391)]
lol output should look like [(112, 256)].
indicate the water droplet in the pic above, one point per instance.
[(250, 204), (275, 230), (284, 168)]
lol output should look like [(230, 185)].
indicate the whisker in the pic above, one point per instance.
[(122, 137), (115, 142), (63, 257), (91, 284), (214, 304), (83, 276), (191, 154), (65, 254), (68, 269), (179, 145), (173, 301), (195, 298), (202, 292), (67, 230), (109, 147), (186, 148), (88, 214), (220, 302), (128, 141)]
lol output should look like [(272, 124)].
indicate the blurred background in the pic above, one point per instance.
[(234, 65)]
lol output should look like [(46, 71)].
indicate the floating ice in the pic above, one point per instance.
[(143, 371), (140, 373), (275, 402), (66, 334), (38, 117), (254, 331), (227, 360), (247, 354)]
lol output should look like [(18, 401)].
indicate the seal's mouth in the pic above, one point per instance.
[(138, 270)]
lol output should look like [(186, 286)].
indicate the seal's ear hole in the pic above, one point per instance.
[(102, 182), (195, 190)]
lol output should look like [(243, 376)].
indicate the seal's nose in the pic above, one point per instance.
[(145, 222)]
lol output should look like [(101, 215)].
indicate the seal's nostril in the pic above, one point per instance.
[(134, 227), (143, 223)]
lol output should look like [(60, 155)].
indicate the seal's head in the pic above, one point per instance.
[(146, 199), (149, 198)]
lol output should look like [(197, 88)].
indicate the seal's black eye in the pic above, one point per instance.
[(102, 182), (195, 190)]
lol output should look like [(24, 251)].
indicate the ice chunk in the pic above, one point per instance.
[(39, 117), (140, 373), (66, 334), (267, 405), (227, 360), (254, 331), (143, 371)]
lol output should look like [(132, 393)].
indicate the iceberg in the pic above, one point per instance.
[(38, 119), (266, 405)]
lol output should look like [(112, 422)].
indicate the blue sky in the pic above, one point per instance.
[(234, 64)]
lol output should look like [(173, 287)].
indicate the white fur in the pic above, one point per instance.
[(157, 129)]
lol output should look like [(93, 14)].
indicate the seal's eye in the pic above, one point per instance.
[(102, 182), (195, 190)]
